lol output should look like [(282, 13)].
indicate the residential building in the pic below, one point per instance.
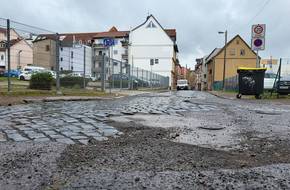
[(21, 53), (75, 58), (153, 47), (239, 54), (117, 52), (71, 52)]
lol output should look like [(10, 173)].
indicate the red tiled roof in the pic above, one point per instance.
[(2, 30), (171, 32)]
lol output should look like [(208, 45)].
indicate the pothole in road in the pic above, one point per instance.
[(212, 127)]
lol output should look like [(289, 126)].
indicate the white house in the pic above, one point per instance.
[(75, 59), (150, 41)]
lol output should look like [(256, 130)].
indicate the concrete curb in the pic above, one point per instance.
[(220, 96), (68, 98)]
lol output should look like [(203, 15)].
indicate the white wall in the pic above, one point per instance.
[(75, 63), (151, 43)]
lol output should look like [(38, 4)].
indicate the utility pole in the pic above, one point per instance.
[(58, 91), (8, 55), (225, 57), (84, 67), (121, 73), (103, 75)]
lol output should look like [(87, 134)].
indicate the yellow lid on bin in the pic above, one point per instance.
[(249, 68)]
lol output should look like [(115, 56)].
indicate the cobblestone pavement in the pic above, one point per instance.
[(77, 122)]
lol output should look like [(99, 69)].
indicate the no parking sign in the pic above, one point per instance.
[(258, 36)]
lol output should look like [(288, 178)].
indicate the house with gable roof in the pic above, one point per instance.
[(21, 53), (239, 54), (150, 41)]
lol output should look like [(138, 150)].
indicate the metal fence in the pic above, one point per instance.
[(231, 84), (74, 65)]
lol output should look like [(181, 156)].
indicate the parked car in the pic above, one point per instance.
[(283, 86), (33, 68), (25, 75), (12, 73), (182, 84), (269, 80), (2, 73)]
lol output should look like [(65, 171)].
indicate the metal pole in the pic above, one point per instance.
[(257, 60), (142, 79), (8, 55), (57, 65), (151, 77), (110, 81), (103, 74), (19, 52), (225, 58), (113, 80), (132, 85), (84, 67), (121, 73)]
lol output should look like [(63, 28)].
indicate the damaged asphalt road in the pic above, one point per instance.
[(183, 140)]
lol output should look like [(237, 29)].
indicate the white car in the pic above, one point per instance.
[(269, 80), (182, 85), (26, 75)]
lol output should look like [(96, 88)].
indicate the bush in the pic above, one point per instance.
[(73, 82), (41, 81)]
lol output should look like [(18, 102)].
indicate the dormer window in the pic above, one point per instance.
[(151, 25)]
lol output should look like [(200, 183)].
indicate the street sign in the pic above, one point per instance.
[(258, 37), (109, 42), (258, 30), (258, 44)]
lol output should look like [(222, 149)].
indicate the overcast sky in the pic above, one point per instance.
[(196, 21)]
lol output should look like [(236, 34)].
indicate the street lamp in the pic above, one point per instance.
[(19, 52), (225, 56)]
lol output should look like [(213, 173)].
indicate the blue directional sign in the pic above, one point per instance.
[(109, 42)]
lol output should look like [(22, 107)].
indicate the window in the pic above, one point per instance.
[(242, 52), (72, 68), (238, 42), (156, 61), (232, 52), (72, 54), (47, 48), (2, 57), (100, 52), (61, 49), (52, 68), (115, 52), (61, 59), (151, 25), (210, 71), (61, 69)]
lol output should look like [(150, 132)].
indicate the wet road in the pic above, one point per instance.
[(172, 140)]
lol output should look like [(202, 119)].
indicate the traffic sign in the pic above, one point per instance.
[(109, 42), (258, 30), (258, 43)]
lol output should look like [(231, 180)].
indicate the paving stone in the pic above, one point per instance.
[(17, 137), (35, 135), (58, 136), (109, 132), (78, 137), (65, 141), (100, 138), (69, 134), (84, 141), (49, 132), (10, 131), (42, 140), (92, 134), (2, 137)]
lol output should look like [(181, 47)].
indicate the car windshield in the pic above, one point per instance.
[(182, 82), (270, 75)]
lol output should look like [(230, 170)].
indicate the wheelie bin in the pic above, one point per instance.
[(251, 81)]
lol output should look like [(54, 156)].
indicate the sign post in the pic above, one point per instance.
[(258, 40)]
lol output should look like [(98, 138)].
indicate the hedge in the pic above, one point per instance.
[(73, 82), (41, 81)]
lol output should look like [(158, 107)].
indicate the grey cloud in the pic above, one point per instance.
[(197, 21)]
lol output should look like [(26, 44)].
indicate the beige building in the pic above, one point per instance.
[(21, 52), (239, 54), (44, 53)]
